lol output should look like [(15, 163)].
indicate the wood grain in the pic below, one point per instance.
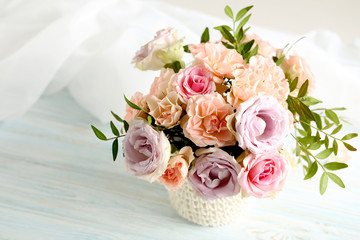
[(57, 181)]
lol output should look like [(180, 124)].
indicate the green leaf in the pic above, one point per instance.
[(132, 105), (332, 116), (308, 100), (239, 35), (326, 141), (306, 111), (126, 126), (349, 147), (338, 109), (323, 183), (227, 45), (177, 66), (318, 121), (98, 133), (242, 13), (248, 45), (186, 48), (296, 106), (149, 118), (294, 84), (114, 129), (336, 179), (117, 117), (303, 89), (349, 136), (335, 147), (243, 22), (302, 132), (315, 145), (324, 154), (312, 170), (328, 126), (115, 148), (229, 12), (336, 130), (297, 149), (223, 26), (335, 166), (253, 52), (280, 60), (205, 37), (227, 35)]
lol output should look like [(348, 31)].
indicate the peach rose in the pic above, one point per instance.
[(217, 59), (177, 169), (139, 99), (166, 111), (296, 67), (260, 77), (205, 123), (265, 48), (159, 87)]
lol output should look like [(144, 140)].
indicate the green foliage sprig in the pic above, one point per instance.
[(236, 34), (315, 130)]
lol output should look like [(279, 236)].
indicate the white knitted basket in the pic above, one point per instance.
[(213, 213)]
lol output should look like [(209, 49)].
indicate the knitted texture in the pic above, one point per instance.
[(216, 212)]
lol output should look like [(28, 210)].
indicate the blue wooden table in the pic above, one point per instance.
[(57, 181)]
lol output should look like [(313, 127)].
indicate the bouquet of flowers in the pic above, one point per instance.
[(219, 123)]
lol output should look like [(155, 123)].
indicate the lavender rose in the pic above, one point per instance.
[(215, 174), (146, 151), (261, 124)]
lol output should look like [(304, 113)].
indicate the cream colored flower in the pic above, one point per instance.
[(166, 111)]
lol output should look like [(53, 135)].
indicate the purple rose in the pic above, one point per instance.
[(261, 124), (146, 151), (215, 174)]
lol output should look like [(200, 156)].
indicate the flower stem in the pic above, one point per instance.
[(308, 152), (298, 121)]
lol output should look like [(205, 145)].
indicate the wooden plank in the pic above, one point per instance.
[(58, 181)]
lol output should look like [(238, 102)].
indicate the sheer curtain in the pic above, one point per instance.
[(86, 47)]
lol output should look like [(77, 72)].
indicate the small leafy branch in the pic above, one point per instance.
[(312, 134), (118, 134), (235, 35)]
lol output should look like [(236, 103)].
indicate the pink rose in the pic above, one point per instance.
[(139, 99), (263, 174), (215, 174), (191, 81), (146, 151), (164, 48), (217, 59), (260, 77), (166, 111), (261, 124), (296, 67), (159, 87), (177, 169), (265, 49), (205, 123)]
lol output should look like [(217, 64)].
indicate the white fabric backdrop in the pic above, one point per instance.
[(86, 46)]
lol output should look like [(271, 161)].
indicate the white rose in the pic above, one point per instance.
[(163, 49)]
